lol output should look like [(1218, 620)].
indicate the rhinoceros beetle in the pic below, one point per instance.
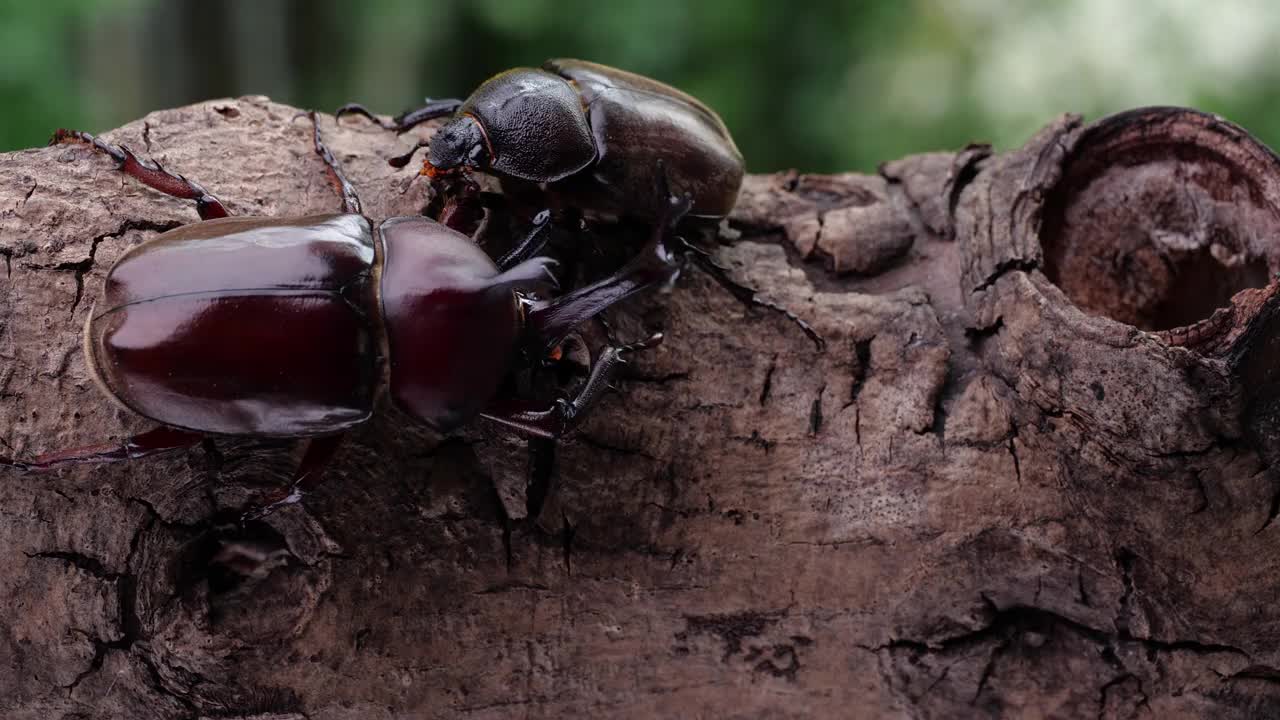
[(292, 327), (593, 137)]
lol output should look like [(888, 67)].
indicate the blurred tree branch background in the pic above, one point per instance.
[(823, 85)]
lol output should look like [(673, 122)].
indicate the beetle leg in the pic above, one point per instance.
[(746, 295), (705, 262), (155, 177), (460, 203), (405, 120), (400, 161), (532, 243), (350, 201), (607, 328), (562, 416), (550, 321), (156, 440), (306, 478)]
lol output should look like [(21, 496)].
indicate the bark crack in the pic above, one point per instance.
[(964, 170), (1027, 616), (1016, 264), (768, 380), (90, 565), (1013, 453), (898, 192), (815, 413), (82, 267)]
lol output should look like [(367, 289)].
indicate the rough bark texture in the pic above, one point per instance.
[(1032, 476)]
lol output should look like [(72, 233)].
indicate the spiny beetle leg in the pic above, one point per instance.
[(550, 321), (705, 262), (461, 203), (405, 120), (157, 440), (607, 328), (564, 415), (350, 201), (746, 295), (152, 175), (531, 245), (306, 478)]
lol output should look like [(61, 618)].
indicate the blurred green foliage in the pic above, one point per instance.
[(821, 85)]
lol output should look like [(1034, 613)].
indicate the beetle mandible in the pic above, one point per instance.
[(593, 136), (292, 327)]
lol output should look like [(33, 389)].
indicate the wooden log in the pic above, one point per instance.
[(1032, 476)]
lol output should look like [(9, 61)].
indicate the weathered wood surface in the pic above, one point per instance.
[(988, 498)]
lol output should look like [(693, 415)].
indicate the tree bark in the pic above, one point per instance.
[(1033, 475)]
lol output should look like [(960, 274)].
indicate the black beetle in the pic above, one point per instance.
[(591, 132), (593, 136), (292, 327)]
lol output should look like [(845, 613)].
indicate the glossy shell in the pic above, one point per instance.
[(534, 124), (246, 326), (635, 121), (451, 319)]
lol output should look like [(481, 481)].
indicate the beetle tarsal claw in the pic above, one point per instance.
[(650, 342), (567, 411)]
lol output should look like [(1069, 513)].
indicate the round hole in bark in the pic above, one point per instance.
[(1160, 216)]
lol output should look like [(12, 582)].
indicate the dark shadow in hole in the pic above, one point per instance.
[(229, 556)]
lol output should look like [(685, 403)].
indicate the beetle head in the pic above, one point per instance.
[(461, 143)]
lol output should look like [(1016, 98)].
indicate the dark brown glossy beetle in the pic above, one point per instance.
[(292, 327), (591, 132), (593, 136)]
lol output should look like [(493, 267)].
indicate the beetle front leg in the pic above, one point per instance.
[(458, 203), (745, 295), (157, 440), (156, 178), (306, 478), (550, 321), (350, 200), (531, 245), (405, 120), (565, 414)]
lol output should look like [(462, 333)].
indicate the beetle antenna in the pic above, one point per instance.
[(407, 119), (400, 161)]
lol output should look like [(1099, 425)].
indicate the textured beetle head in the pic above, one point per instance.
[(461, 143)]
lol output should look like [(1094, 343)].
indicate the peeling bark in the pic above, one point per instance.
[(1031, 476)]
